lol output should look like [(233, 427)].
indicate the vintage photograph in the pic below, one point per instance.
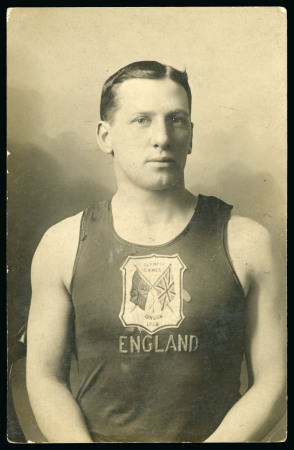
[(147, 209)]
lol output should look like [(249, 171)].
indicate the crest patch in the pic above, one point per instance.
[(152, 292)]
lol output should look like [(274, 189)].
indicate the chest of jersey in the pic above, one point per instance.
[(151, 318)]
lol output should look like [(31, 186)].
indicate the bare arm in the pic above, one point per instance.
[(50, 333), (261, 407)]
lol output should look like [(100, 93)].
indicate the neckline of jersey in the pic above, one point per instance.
[(166, 244)]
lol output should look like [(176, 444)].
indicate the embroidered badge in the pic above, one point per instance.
[(152, 292)]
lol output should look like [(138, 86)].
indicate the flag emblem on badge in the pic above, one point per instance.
[(152, 292)]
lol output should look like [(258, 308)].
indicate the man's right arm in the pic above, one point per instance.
[(49, 349)]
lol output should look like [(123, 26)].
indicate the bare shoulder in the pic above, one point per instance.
[(61, 236), (249, 242), (57, 249), (64, 230), (248, 230)]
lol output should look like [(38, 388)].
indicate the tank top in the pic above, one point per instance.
[(159, 330)]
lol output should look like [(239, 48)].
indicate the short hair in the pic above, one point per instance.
[(151, 70)]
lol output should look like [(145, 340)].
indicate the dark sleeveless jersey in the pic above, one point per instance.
[(159, 329)]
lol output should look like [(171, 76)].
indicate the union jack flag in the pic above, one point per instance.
[(165, 288)]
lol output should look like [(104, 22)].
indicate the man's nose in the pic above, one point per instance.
[(160, 134)]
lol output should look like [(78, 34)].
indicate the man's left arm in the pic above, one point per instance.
[(263, 404)]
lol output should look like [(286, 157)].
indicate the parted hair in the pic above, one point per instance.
[(151, 70)]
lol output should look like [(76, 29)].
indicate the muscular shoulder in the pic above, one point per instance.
[(248, 230), (61, 235), (250, 243), (65, 230), (56, 252)]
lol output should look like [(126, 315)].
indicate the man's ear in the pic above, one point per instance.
[(190, 146), (103, 137)]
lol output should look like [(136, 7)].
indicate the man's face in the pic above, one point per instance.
[(151, 133)]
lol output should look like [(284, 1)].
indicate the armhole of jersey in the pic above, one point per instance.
[(224, 239), (80, 244)]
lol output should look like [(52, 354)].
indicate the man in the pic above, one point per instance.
[(160, 292)]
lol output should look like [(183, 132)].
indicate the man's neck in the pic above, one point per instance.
[(163, 204), (152, 216)]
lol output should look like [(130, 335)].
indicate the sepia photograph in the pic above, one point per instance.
[(146, 224)]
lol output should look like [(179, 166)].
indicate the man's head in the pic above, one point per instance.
[(151, 70), (146, 125)]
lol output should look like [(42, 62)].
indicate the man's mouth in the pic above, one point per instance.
[(164, 159)]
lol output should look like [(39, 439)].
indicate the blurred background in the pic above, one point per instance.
[(57, 61)]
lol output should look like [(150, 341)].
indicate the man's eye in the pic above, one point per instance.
[(178, 120), (141, 120)]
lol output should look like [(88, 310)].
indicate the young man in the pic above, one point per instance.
[(159, 293)]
